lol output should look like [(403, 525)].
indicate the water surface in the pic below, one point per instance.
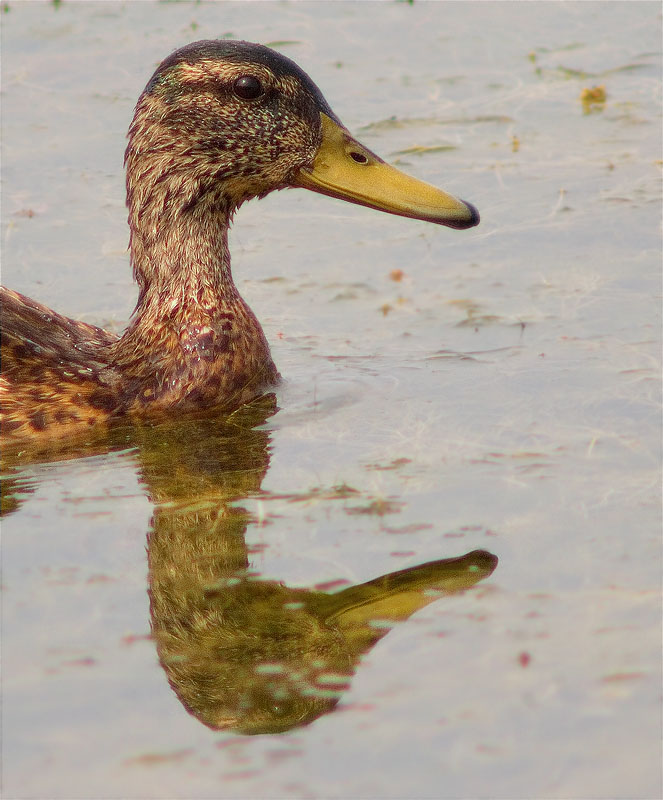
[(445, 392)]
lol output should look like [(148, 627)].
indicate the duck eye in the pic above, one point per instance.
[(247, 87)]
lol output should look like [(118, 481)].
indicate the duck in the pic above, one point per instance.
[(220, 122)]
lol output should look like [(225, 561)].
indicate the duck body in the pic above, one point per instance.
[(61, 375), (219, 122)]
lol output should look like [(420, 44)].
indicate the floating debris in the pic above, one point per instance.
[(593, 99)]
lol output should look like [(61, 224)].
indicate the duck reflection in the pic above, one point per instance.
[(241, 653)]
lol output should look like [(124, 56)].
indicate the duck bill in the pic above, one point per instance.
[(345, 169)]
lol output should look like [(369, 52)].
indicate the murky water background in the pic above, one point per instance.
[(503, 395)]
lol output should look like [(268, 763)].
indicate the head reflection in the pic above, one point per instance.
[(257, 657)]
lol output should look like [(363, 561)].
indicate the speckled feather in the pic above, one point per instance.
[(196, 152)]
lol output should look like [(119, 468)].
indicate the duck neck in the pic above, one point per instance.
[(192, 341), (181, 265)]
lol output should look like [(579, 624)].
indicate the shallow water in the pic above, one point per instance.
[(504, 396)]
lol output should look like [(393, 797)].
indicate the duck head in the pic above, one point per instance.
[(223, 121)]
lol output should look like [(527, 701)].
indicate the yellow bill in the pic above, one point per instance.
[(346, 169)]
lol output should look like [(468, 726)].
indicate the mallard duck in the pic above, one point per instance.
[(219, 122)]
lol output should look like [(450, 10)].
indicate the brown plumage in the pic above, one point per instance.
[(219, 123)]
